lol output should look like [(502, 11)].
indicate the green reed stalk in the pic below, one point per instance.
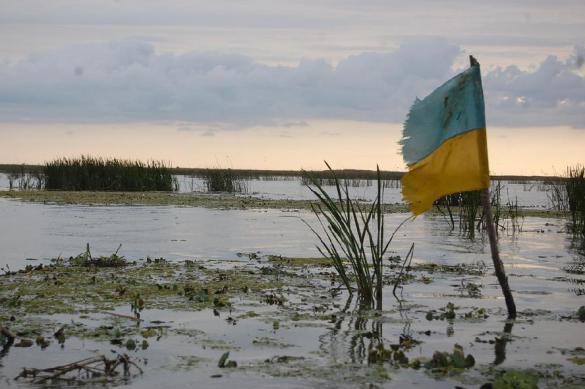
[(353, 234)]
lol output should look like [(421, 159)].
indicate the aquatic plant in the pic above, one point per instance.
[(95, 173), (557, 195), (23, 177), (223, 180), (86, 260), (465, 210), (575, 189), (468, 208), (353, 232)]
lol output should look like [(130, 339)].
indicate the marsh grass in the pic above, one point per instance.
[(91, 173), (22, 177), (567, 194), (575, 194), (557, 196), (353, 233), (328, 179), (85, 259), (465, 210), (224, 180)]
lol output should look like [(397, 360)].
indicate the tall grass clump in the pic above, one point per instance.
[(22, 177), (91, 173), (465, 210), (223, 180), (575, 194), (353, 238)]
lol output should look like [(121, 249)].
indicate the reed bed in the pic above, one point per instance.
[(224, 180), (22, 177), (99, 174), (575, 190)]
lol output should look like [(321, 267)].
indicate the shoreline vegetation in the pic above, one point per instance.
[(259, 173), (96, 173), (203, 200), (88, 180)]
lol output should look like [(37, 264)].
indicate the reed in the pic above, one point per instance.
[(465, 210), (22, 177), (224, 180), (91, 173), (353, 234), (575, 192)]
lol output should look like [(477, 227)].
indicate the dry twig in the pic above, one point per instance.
[(93, 367)]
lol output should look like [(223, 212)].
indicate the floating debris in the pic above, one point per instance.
[(225, 363), (83, 371)]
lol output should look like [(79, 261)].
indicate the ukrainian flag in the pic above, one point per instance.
[(444, 142)]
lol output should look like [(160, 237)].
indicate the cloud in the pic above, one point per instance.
[(130, 81), (552, 94)]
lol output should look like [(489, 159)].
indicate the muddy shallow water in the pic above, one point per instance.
[(323, 336)]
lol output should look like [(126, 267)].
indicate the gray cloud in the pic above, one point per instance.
[(552, 94), (130, 81)]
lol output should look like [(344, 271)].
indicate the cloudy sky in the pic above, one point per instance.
[(284, 84)]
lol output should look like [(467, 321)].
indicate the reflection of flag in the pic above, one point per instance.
[(444, 142)]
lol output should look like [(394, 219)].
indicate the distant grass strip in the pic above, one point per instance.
[(91, 173), (222, 201), (214, 201)]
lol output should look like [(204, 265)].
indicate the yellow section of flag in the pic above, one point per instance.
[(460, 164)]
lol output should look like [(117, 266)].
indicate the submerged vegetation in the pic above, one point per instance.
[(90, 173)]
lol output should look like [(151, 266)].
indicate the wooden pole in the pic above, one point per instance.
[(498, 265), (491, 229)]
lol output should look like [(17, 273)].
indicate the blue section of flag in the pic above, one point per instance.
[(454, 108)]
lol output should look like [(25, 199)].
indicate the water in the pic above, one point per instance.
[(529, 194), (39, 231), (543, 265), (48, 231)]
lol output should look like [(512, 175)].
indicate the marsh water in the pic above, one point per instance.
[(528, 194), (545, 268)]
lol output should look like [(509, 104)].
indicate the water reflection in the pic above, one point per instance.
[(357, 336), (500, 343), (353, 333), (576, 268), (7, 340)]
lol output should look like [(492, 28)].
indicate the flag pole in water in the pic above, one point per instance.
[(444, 144), (491, 230)]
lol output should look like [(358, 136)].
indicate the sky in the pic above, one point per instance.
[(272, 84)]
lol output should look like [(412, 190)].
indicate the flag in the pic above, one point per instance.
[(444, 142)]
